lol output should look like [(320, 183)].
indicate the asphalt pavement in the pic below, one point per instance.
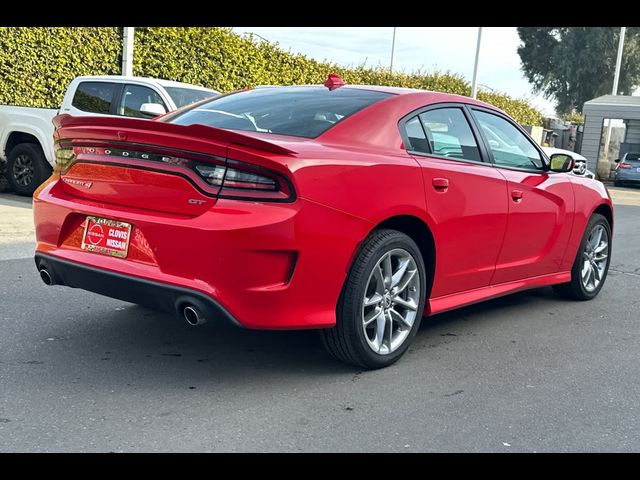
[(525, 373)]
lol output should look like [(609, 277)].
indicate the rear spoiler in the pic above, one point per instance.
[(204, 132)]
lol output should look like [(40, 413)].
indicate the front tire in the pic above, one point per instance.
[(27, 168), (381, 304), (591, 265)]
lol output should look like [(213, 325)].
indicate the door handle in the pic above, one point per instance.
[(440, 184), (516, 195)]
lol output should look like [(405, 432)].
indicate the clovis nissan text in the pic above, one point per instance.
[(354, 210)]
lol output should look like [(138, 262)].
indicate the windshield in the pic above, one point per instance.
[(185, 96), (297, 111)]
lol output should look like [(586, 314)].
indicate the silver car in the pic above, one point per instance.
[(627, 170)]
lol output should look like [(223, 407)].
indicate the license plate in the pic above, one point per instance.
[(107, 237), (638, 169)]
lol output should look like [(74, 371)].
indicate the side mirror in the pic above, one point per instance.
[(561, 162), (152, 109)]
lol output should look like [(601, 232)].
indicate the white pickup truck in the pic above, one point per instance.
[(26, 134)]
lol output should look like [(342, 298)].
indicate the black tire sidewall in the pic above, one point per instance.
[(596, 219), (41, 168), (397, 240)]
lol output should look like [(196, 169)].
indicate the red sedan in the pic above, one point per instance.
[(355, 210)]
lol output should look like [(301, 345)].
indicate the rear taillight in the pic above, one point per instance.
[(624, 165), (64, 158), (230, 178), (252, 182)]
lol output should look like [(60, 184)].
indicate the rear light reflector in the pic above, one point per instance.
[(212, 174), (248, 181), (252, 182)]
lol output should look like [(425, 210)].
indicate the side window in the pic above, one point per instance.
[(94, 97), (510, 147), (133, 96), (449, 134), (416, 136)]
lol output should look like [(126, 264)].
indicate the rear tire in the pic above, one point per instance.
[(578, 288), (27, 168), (618, 183), (385, 287)]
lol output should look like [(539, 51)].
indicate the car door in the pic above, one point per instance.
[(465, 196), (540, 203)]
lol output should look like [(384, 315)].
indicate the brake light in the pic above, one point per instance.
[(64, 158), (231, 178), (624, 165), (253, 182)]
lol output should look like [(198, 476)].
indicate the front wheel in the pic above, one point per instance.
[(380, 307), (591, 265)]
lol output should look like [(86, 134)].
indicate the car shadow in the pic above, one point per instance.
[(113, 342)]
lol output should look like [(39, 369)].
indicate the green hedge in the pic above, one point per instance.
[(37, 64)]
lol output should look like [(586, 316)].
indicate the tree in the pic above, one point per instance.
[(575, 64)]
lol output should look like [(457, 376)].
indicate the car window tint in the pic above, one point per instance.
[(298, 111), (416, 136), (94, 97), (510, 147), (185, 96), (449, 134), (133, 96)]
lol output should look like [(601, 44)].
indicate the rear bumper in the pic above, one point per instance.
[(131, 289), (268, 266)]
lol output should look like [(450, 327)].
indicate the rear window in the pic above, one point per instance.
[(185, 96), (94, 97), (298, 111), (632, 156)]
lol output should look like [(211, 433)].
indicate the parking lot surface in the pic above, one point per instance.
[(528, 372)]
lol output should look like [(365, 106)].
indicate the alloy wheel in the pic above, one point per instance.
[(594, 258), (391, 300), (23, 171)]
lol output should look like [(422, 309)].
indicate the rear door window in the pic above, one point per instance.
[(448, 134), (94, 97)]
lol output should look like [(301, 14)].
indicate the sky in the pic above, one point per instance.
[(425, 48)]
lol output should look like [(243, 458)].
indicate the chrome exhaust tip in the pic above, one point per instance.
[(46, 276), (193, 316)]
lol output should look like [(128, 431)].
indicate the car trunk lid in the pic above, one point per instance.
[(146, 164)]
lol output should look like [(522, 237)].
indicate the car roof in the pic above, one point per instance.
[(428, 96), (158, 81)]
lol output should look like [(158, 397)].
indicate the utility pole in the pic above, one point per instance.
[(474, 83), (393, 48), (127, 51), (614, 90)]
